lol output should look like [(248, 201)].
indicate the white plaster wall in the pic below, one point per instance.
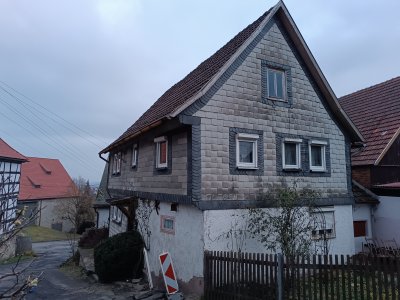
[(48, 214), (218, 222), (387, 218), (362, 212), (102, 215), (118, 227), (186, 246)]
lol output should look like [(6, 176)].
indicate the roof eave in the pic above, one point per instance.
[(131, 136)]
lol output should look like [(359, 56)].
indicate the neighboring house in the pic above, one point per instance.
[(101, 206), (45, 184), (10, 171), (376, 113), (363, 215), (256, 112)]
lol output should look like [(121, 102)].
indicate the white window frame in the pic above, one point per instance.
[(164, 218), (297, 142), (246, 137), (269, 69), (116, 163), (158, 142), (323, 145), (116, 214), (134, 155)]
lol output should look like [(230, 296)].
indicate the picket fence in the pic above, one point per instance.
[(252, 276)]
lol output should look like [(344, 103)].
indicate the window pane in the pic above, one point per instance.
[(290, 154), (279, 85), (163, 152), (316, 156), (246, 151), (271, 84), (360, 228), (168, 224)]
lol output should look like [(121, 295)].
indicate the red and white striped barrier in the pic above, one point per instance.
[(168, 273)]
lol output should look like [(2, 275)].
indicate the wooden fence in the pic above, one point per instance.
[(229, 275)]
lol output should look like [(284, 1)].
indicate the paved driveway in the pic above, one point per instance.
[(54, 283)]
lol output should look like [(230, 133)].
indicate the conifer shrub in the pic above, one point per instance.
[(119, 257)]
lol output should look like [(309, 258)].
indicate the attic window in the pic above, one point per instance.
[(46, 170), (34, 184), (276, 84)]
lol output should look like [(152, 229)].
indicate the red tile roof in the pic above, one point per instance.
[(376, 113), (8, 153), (182, 91), (44, 178)]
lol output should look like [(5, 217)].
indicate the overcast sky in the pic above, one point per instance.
[(99, 65)]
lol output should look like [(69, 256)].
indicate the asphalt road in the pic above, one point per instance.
[(54, 283)]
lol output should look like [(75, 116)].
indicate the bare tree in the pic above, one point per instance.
[(78, 209)]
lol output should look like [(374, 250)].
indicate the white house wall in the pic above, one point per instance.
[(217, 223), (102, 217), (186, 245), (387, 218), (362, 212)]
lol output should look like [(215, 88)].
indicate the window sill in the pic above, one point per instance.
[(161, 168), (317, 171), (246, 168), (277, 99), (292, 169)]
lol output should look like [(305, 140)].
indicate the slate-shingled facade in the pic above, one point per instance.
[(207, 115)]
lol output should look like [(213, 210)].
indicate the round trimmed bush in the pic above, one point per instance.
[(119, 257)]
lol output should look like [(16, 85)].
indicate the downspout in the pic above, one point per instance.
[(108, 173)]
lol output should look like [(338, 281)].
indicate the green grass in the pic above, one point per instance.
[(13, 260), (43, 234)]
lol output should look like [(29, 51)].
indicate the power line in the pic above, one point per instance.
[(70, 147), (75, 129)]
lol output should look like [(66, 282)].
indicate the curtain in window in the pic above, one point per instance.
[(246, 151), (290, 154), (316, 156), (163, 152)]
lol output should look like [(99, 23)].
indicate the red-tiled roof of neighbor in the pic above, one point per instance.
[(376, 113), (8, 153), (182, 91), (44, 178), (393, 185)]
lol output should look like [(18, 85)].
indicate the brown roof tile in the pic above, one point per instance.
[(182, 91), (8, 153), (376, 113), (45, 178)]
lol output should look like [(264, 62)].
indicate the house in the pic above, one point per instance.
[(10, 171), (101, 206), (45, 184), (376, 166), (256, 112)]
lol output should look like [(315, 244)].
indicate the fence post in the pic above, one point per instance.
[(279, 275)]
